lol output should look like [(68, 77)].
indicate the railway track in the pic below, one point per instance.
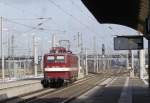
[(32, 95), (64, 94), (67, 94)]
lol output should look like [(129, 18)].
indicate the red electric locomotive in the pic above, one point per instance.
[(60, 66)]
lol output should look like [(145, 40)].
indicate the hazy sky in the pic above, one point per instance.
[(65, 18)]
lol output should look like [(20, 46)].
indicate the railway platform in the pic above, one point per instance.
[(13, 88), (95, 88), (120, 90)]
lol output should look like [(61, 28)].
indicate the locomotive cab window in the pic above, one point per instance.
[(50, 58), (60, 59)]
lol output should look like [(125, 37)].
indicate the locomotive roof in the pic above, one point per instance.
[(58, 48), (59, 51), (60, 54)]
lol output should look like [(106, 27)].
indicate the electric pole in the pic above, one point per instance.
[(54, 40), (35, 55), (86, 65), (12, 55), (97, 62), (94, 52), (103, 56), (78, 45), (2, 55), (9, 58)]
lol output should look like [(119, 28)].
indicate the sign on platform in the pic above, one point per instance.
[(128, 42)]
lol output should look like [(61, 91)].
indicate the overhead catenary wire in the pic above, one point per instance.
[(16, 8), (16, 18), (79, 8), (31, 18), (25, 25), (28, 26), (73, 17), (37, 27), (33, 28), (27, 18), (82, 12)]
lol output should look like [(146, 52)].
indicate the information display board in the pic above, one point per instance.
[(128, 42)]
